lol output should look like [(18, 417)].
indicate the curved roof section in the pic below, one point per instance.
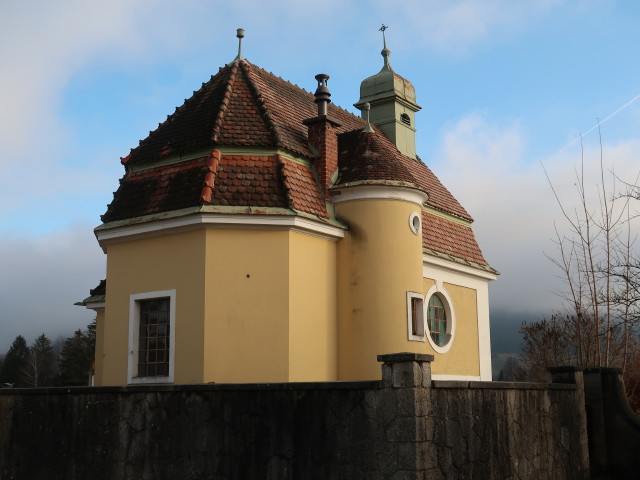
[(372, 157)]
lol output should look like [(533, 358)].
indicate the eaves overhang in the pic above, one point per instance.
[(211, 216), (94, 302), (457, 264)]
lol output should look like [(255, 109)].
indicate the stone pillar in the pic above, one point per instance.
[(614, 430), (575, 376), (404, 425)]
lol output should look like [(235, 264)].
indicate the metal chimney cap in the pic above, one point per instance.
[(323, 95)]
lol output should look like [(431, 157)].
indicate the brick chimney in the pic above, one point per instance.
[(323, 137)]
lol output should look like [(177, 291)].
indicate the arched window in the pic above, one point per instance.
[(405, 119)]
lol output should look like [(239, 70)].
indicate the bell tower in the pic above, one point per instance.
[(393, 104)]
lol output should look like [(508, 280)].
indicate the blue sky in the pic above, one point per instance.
[(504, 85)]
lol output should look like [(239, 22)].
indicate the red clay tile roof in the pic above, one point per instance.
[(244, 105), (302, 188), (372, 156), (450, 238), (160, 189), (244, 180), (241, 105)]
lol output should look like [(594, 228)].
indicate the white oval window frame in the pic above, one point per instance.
[(451, 317), (415, 216)]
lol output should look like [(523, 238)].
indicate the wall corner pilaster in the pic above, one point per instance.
[(404, 424)]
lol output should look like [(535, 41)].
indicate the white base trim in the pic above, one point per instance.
[(462, 378)]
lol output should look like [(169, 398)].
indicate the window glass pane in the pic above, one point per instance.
[(153, 347), (437, 320)]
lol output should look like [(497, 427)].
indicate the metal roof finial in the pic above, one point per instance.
[(368, 129), (240, 35), (385, 51)]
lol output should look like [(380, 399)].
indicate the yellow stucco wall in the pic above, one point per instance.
[(380, 260), (312, 312), (99, 353), (264, 305), (247, 306), (165, 262), (463, 357), (251, 305)]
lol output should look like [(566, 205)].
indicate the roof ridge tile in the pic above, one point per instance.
[(224, 103), (259, 98)]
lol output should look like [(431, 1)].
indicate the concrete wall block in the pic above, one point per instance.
[(406, 402), (407, 475), (420, 455), (404, 429), (426, 374), (387, 407), (407, 374), (422, 402), (386, 457), (387, 375)]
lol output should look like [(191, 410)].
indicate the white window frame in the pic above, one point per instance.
[(421, 316), (415, 223), (134, 336), (439, 289)]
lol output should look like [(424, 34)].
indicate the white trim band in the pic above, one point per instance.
[(378, 192), (269, 222), (457, 267), (94, 305), (461, 378)]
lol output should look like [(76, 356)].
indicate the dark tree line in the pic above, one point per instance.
[(43, 364)]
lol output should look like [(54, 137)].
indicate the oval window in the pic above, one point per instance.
[(439, 329)]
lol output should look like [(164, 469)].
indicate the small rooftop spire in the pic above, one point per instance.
[(385, 51), (368, 129), (240, 35)]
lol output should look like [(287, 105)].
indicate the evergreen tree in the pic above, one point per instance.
[(14, 361), (76, 357), (38, 368)]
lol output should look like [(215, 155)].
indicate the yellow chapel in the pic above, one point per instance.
[(262, 234)]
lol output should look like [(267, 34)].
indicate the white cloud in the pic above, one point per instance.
[(42, 278), (45, 44), (456, 26), (486, 167)]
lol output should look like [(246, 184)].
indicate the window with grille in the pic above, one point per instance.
[(151, 337), (154, 338), (437, 321)]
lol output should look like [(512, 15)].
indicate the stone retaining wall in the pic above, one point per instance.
[(403, 427)]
